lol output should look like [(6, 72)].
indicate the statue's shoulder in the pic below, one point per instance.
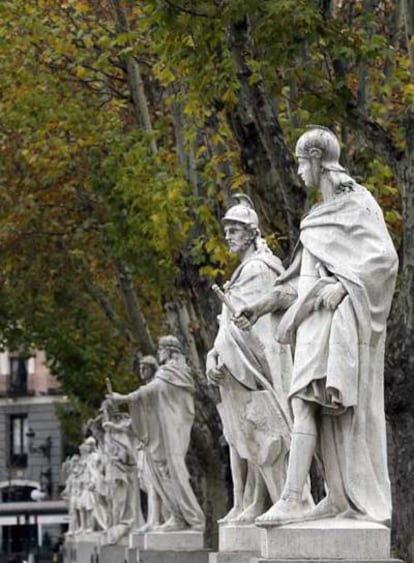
[(266, 261), (261, 262)]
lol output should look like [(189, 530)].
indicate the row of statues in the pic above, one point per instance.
[(141, 451), (298, 359)]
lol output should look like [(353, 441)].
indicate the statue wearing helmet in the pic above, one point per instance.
[(252, 372), (322, 140), (243, 212)]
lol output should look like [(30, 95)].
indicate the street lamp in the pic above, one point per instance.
[(44, 449)]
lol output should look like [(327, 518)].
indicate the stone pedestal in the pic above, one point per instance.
[(80, 548), (237, 543), (336, 560), (167, 541), (90, 548), (239, 538), (326, 540), (113, 553), (199, 556), (137, 540), (232, 557), (168, 547)]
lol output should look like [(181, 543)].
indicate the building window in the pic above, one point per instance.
[(18, 440), (18, 375)]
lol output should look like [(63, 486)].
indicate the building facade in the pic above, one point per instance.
[(32, 515)]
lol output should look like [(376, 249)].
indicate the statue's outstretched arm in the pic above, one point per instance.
[(279, 299)]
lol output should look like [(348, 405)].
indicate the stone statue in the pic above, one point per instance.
[(162, 411), (253, 372), (344, 271), (157, 510), (70, 493), (99, 461), (88, 477), (121, 474), (102, 485)]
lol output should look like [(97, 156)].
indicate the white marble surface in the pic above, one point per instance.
[(239, 538), (336, 538), (137, 540), (252, 371), (344, 270), (162, 413), (173, 541)]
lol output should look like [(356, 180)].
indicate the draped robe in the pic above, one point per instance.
[(339, 355), (162, 413), (254, 409)]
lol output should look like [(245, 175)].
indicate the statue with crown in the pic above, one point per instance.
[(342, 277)]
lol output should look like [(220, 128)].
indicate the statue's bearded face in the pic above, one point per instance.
[(238, 237)]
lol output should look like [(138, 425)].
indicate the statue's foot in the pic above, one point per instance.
[(173, 524), (197, 528), (148, 527), (324, 509), (250, 514), (285, 511), (232, 515)]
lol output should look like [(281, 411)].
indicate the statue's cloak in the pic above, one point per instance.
[(254, 409), (162, 412), (348, 238)]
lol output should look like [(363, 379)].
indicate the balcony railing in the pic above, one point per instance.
[(12, 386)]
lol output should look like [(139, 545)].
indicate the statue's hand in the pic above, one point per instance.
[(216, 375), (330, 296), (245, 317), (115, 397), (214, 372)]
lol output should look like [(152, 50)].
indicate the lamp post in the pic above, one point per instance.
[(45, 480)]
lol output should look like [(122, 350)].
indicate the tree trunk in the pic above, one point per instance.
[(265, 154), (135, 83), (137, 320), (408, 15)]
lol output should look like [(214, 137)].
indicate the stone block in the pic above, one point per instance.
[(232, 557), (173, 541), (112, 554), (260, 560), (130, 555), (82, 548), (334, 538), (137, 540), (197, 556), (239, 538)]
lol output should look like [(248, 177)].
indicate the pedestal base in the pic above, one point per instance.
[(233, 557), (79, 548), (112, 553), (239, 538), (198, 556), (185, 546), (167, 541), (137, 540), (237, 543), (328, 539), (326, 560)]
